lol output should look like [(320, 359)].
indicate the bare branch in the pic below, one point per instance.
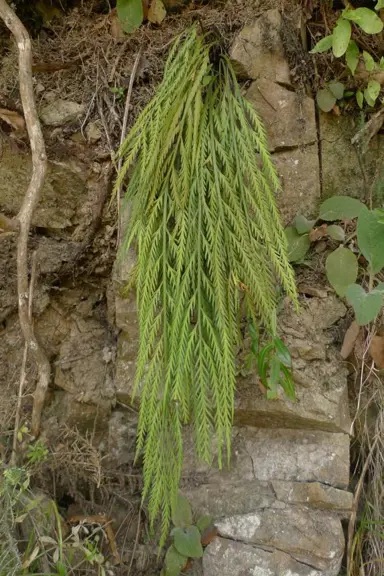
[(23, 374), (39, 162)]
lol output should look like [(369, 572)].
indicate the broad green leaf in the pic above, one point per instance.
[(341, 37), (366, 305), (130, 14), (174, 562), (380, 288), (379, 212), (365, 18), (352, 56), (336, 232), (203, 523), (337, 89), (368, 61), (323, 45), (341, 269), (287, 383), (340, 208), (282, 352), (371, 92), (298, 244), (379, 5), (274, 376), (182, 512), (302, 225), (325, 100), (187, 542), (262, 362), (360, 98), (370, 239)]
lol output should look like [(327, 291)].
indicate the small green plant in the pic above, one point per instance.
[(274, 364), (342, 265), (37, 452), (118, 91), (187, 538), (342, 44)]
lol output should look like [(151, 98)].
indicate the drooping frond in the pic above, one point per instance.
[(207, 232)]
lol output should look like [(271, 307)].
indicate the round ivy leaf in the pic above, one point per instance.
[(181, 512), (337, 89), (298, 244), (130, 13), (302, 225), (336, 232), (341, 269), (187, 541), (174, 562), (325, 100), (340, 208), (366, 305)]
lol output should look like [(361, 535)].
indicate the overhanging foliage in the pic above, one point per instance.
[(208, 237)]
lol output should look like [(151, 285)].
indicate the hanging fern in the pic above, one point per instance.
[(207, 234)]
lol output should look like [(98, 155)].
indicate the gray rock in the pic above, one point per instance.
[(59, 112), (314, 494), (121, 444), (292, 455), (289, 118), (63, 193), (258, 50), (299, 174), (321, 399), (341, 172), (227, 558), (312, 537), (93, 132), (320, 379), (84, 416), (82, 367)]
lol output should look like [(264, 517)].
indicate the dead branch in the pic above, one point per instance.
[(23, 373), (31, 198)]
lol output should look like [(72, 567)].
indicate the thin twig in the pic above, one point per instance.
[(23, 373), (31, 198), (123, 135)]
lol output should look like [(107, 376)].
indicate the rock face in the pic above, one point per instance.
[(63, 193), (59, 112), (289, 116), (341, 172), (258, 50)]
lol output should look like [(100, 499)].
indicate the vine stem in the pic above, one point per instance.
[(31, 198)]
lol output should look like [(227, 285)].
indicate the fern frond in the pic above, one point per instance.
[(207, 232)]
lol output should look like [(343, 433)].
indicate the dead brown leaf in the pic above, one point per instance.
[(349, 340), (116, 30), (156, 12), (317, 233), (12, 118), (376, 350)]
